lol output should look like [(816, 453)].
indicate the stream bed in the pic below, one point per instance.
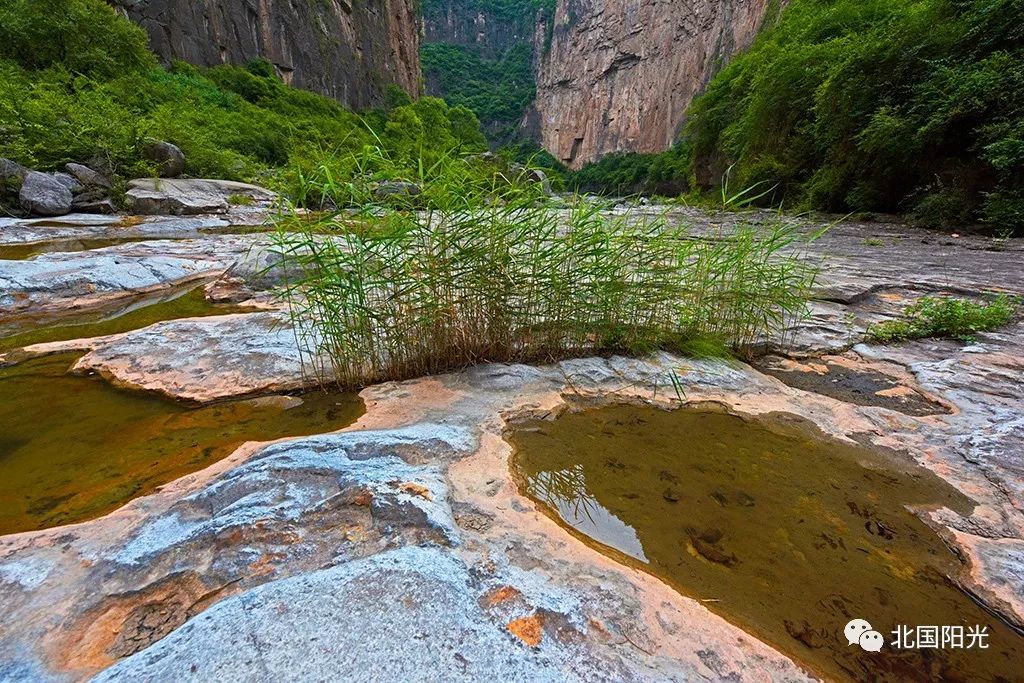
[(74, 447), (183, 303), (781, 531)]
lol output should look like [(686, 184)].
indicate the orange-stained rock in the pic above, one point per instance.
[(529, 629)]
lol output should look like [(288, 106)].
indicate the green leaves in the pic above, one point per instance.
[(958, 319), (484, 272), (860, 105)]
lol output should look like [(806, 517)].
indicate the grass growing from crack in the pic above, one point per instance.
[(484, 272), (948, 317)]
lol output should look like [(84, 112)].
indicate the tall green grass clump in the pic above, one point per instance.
[(484, 272)]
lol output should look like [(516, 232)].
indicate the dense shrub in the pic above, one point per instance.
[(84, 37), (946, 317), (79, 84), (622, 174), (498, 91), (876, 105)]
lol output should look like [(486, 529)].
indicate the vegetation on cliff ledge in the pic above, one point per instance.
[(493, 77), (902, 106)]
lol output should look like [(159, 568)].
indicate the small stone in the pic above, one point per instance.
[(538, 176), (103, 206), (11, 170), (396, 188)]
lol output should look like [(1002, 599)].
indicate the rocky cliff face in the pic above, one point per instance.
[(476, 25), (619, 74), (350, 50)]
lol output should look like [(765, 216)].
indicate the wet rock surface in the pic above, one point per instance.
[(405, 533)]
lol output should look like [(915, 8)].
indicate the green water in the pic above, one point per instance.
[(139, 314), (784, 533), (20, 252), (73, 448)]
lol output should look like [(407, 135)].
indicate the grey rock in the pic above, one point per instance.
[(181, 197), (11, 170), (247, 354), (64, 285), (44, 195), (538, 176), (396, 188), (88, 177), (93, 205), (170, 160), (431, 618), (68, 181)]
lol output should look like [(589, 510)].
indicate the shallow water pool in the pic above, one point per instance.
[(73, 448), (785, 533)]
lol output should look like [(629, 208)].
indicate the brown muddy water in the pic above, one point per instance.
[(785, 533), (21, 252), (73, 448), (185, 303)]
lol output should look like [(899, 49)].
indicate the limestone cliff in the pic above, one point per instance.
[(619, 74), (350, 50), (489, 29)]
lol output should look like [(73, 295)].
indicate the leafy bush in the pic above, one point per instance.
[(498, 92), (488, 274), (80, 85), (621, 174), (876, 105), (84, 37), (946, 317)]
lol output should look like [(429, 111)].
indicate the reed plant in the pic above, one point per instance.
[(482, 271)]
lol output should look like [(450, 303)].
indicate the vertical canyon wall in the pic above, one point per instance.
[(350, 50), (473, 24), (619, 74)]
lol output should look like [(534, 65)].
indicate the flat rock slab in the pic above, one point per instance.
[(183, 197), (60, 285), (204, 359), (398, 546), (432, 614), (61, 232)]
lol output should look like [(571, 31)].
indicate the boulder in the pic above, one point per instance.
[(44, 195), (396, 188), (169, 159), (538, 176), (11, 170), (87, 177), (186, 197), (68, 181)]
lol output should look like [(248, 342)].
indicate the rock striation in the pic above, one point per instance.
[(618, 75), (351, 51)]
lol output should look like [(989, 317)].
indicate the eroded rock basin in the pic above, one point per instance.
[(785, 533), (73, 447), (180, 303)]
